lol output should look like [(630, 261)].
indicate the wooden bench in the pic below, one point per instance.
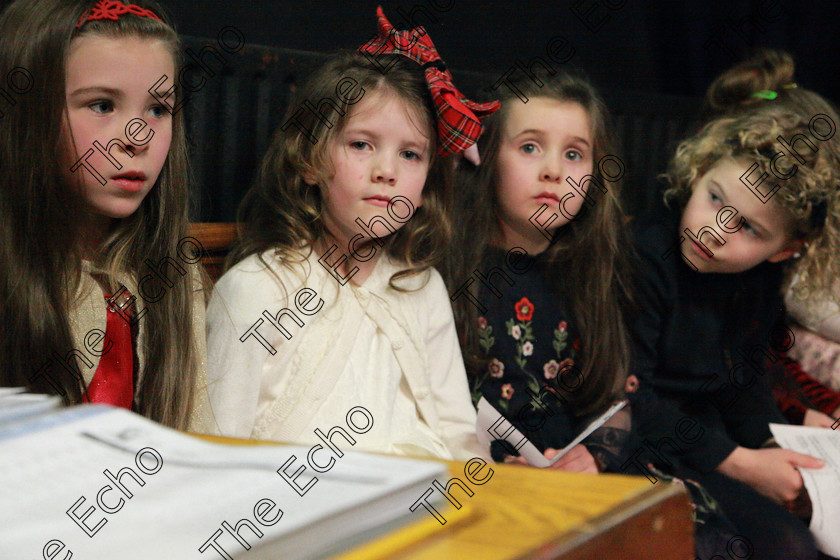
[(216, 239)]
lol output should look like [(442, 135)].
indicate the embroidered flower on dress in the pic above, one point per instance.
[(527, 349), (485, 335), (560, 336), (550, 369), (576, 344), (524, 309), (496, 368), (516, 332), (507, 391)]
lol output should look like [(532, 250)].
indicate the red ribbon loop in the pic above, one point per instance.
[(458, 118)]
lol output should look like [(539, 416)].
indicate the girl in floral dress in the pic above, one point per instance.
[(538, 272)]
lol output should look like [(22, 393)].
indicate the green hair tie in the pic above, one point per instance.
[(765, 94)]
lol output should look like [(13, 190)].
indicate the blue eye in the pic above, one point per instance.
[(529, 148), (714, 197), (574, 155), (159, 111), (359, 145), (101, 107), (411, 155)]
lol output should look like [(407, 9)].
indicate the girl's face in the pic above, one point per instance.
[(381, 153), (758, 232), (543, 143), (108, 99)]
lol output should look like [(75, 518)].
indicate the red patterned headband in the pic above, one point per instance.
[(458, 117), (113, 9)]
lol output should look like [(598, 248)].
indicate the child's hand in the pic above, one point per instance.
[(578, 459), (817, 419), (770, 472)]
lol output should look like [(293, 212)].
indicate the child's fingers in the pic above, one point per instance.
[(804, 461), (515, 460), (578, 464), (578, 459), (817, 419)]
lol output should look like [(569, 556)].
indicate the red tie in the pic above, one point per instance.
[(113, 382)]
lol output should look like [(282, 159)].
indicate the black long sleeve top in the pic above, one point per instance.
[(700, 344)]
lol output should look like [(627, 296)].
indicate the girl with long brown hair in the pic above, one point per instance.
[(537, 273), (100, 295)]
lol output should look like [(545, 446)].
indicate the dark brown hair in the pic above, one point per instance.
[(589, 254), (40, 241)]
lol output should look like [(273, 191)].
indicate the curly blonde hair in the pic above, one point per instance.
[(752, 130)]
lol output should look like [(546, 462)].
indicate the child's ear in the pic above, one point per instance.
[(789, 250)]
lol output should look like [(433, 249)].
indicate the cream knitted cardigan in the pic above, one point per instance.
[(261, 395), (89, 313)]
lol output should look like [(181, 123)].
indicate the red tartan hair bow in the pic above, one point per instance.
[(113, 9), (458, 117)]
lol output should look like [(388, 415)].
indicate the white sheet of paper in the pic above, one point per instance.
[(491, 425), (823, 484)]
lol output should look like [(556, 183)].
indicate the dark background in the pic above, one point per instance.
[(652, 46), (652, 62)]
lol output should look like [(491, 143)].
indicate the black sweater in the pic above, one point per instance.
[(700, 345)]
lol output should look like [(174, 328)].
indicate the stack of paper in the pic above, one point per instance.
[(102, 482), (16, 405)]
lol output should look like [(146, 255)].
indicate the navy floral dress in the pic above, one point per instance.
[(529, 340), (531, 346)]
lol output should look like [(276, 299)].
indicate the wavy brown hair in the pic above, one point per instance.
[(747, 127), (281, 212), (41, 237), (590, 254)]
